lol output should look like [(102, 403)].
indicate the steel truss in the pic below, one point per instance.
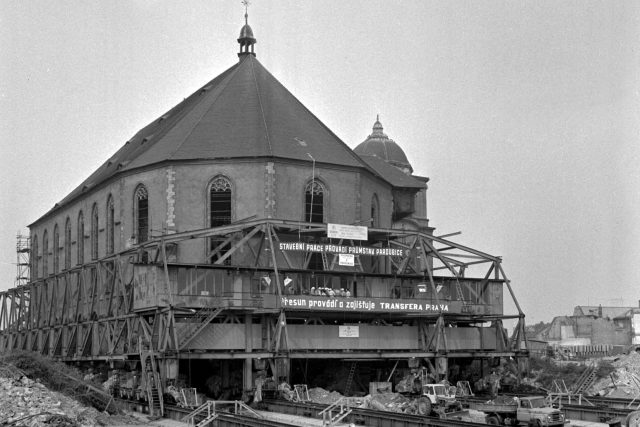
[(87, 312)]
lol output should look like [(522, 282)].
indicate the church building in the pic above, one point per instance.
[(237, 236)]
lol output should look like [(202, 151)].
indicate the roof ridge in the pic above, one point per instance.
[(338, 139), (223, 84), (264, 119)]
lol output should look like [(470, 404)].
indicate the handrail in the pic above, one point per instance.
[(210, 407), (328, 419)]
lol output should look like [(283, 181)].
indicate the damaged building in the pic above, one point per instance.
[(236, 235), (595, 330)]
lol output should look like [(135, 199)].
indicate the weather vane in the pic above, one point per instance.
[(246, 12)]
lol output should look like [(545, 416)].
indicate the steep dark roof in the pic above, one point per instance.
[(243, 113), (391, 174)]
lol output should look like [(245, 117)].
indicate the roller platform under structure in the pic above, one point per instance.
[(236, 239)]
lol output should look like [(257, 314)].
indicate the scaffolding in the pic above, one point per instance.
[(23, 252)]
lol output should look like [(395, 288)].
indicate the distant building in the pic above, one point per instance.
[(593, 326)]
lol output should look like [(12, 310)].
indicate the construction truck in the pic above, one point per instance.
[(430, 398), (533, 411)]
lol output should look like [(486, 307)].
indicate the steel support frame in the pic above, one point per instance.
[(86, 312)]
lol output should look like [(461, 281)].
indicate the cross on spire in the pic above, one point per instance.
[(246, 4), (246, 39)]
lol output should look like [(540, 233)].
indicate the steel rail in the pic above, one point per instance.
[(368, 417)]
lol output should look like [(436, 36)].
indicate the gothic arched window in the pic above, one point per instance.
[(94, 232), (314, 202), (45, 254), (141, 214), (80, 238), (375, 212), (110, 225), (56, 250), (67, 244), (219, 202), (34, 257), (219, 214)]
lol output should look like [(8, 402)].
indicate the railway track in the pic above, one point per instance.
[(362, 417), (593, 409), (602, 410), (368, 417)]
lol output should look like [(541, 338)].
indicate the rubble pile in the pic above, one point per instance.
[(624, 380), (28, 403), (320, 395), (24, 402), (392, 402)]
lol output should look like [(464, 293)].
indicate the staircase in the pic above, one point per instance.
[(301, 393), (211, 408), (352, 372), (585, 381), (153, 383), (336, 412), (463, 388), (197, 323)]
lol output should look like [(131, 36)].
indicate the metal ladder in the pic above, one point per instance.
[(352, 372), (153, 383), (586, 380)]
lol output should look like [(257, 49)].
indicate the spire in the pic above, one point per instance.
[(246, 38), (377, 127)]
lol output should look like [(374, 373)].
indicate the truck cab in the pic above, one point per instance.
[(439, 393), (535, 411)]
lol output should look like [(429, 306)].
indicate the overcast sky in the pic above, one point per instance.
[(524, 115)]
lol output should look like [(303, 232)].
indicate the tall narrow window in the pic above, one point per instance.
[(375, 215), (94, 232), (110, 225), (67, 244), (314, 202), (141, 214), (219, 215), (220, 202), (56, 250), (34, 257), (45, 254), (80, 238)]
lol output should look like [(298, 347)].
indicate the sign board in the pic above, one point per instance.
[(348, 331), (381, 305), (342, 249), (350, 232), (346, 259)]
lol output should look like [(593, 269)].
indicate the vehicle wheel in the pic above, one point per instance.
[(493, 420), (424, 406), (633, 419)]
